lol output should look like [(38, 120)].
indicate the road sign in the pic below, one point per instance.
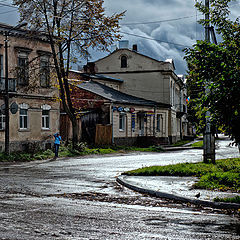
[(14, 108)]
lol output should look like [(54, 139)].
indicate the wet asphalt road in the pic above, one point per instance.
[(78, 198)]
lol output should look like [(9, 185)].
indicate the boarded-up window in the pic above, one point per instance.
[(44, 71), (23, 69)]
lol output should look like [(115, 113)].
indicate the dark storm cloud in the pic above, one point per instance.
[(8, 13), (183, 31)]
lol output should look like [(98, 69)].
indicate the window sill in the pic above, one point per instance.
[(121, 130), (24, 130), (46, 129)]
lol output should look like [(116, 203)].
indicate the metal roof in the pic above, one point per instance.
[(117, 96), (101, 77)]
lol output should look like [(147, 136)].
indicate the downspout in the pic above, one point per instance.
[(154, 121), (181, 109), (111, 110)]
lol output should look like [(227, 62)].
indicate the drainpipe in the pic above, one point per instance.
[(181, 110), (154, 121), (111, 106)]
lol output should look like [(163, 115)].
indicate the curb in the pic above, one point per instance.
[(179, 148), (218, 205)]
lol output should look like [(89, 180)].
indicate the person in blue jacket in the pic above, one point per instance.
[(57, 142)]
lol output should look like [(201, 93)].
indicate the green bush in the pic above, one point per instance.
[(16, 157), (43, 155)]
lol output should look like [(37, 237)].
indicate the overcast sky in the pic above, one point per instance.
[(171, 23)]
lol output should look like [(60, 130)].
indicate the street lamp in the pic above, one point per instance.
[(6, 97)]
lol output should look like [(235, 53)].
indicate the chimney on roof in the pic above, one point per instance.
[(90, 68), (134, 48), (123, 44)]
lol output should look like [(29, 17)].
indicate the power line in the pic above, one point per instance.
[(159, 21), (8, 11), (7, 5), (149, 38)]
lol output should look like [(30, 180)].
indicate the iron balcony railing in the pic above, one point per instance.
[(12, 84)]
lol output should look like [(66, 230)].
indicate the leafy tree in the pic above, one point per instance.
[(216, 67), (72, 27)]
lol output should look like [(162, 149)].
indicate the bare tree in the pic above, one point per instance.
[(72, 27)]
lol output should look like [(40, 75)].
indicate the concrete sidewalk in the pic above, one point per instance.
[(176, 188)]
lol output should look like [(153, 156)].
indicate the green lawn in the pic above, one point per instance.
[(181, 143), (223, 176), (197, 144), (68, 152)]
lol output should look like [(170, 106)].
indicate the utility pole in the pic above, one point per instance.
[(6, 97), (208, 138)]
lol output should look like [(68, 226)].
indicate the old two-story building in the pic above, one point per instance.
[(150, 79), (34, 114), (109, 116)]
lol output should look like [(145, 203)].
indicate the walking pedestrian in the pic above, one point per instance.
[(57, 142)]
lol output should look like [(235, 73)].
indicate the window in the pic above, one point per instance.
[(1, 68), (2, 82), (23, 71), (23, 118), (45, 119), (2, 121), (46, 116), (123, 62), (159, 116), (44, 71), (23, 114), (122, 122)]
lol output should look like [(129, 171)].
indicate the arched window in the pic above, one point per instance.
[(123, 62)]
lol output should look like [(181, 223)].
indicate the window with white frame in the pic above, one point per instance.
[(23, 116), (46, 116), (45, 119), (122, 119), (2, 121), (158, 122)]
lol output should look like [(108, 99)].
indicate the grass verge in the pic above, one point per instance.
[(222, 176), (231, 200), (181, 143), (68, 152), (197, 144)]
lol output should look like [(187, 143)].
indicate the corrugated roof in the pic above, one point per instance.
[(117, 96), (100, 77)]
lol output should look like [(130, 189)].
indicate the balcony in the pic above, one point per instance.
[(181, 110), (12, 84)]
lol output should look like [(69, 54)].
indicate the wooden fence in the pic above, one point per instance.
[(103, 134)]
